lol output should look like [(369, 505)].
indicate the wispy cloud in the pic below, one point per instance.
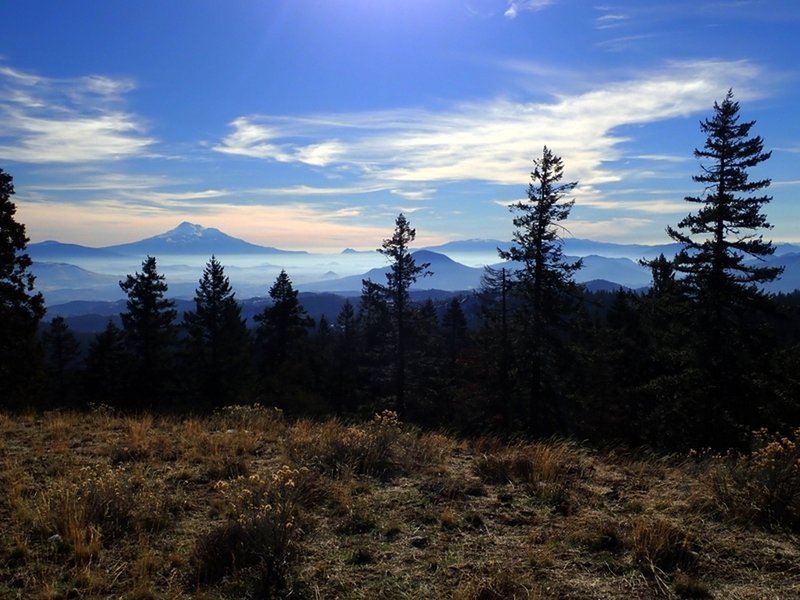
[(48, 120), (610, 20), (492, 141), (517, 6)]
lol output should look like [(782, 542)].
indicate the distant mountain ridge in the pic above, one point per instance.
[(447, 274), (186, 238), (67, 272)]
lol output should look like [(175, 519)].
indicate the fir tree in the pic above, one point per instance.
[(345, 359), (494, 307), (282, 325), (543, 283), (149, 331), (107, 368), (61, 353), (21, 309), (722, 287), (217, 339), (725, 229), (403, 272), (454, 331)]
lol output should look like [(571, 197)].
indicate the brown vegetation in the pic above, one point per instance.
[(248, 504)]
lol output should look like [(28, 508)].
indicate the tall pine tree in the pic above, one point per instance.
[(544, 284), (403, 271), (718, 239)]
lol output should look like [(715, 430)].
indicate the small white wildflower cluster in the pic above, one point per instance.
[(254, 498)]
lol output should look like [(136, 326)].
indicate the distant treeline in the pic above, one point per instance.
[(700, 360)]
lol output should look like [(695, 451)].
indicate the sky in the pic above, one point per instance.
[(310, 124)]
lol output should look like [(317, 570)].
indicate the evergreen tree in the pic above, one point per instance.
[(107, 368), (149, 332), (717, 240), (20, 308), (345, 360), (282, 348), (425, 365), (61, 353), (724, 231), (403, 271), (376, 343), (454, 331), (217, 339), (494, 305), (282, 324), (544, 283)]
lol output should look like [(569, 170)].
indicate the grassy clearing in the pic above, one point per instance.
[(246, 504)]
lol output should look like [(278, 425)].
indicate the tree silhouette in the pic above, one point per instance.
[(107, 368), (543, 280), (217, 339), (454, 331), (282, 328), (61, 352), (717, 240), (723, 231), (20, 308), (495, 307), (149, 330), (403, 271)]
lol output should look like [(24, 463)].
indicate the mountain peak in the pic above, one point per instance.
[(186, 228)]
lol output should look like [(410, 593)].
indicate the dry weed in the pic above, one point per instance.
[(338, 450), (658, 545), (763, 485)]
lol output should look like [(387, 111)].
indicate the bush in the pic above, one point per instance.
[(261, 521), (337, 450), (762, 486)]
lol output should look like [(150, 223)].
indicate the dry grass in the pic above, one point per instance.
[(246, 504)]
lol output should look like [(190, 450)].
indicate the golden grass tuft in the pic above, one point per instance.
[(659, 545)]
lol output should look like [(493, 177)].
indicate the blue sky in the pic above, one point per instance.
[(312, 123)]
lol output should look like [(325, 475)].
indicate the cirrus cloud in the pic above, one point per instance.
[(492, 140), (50, 120)]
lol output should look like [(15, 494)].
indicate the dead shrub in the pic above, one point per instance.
[(503, 584), (262, 515), (338, 450), (762, 486)]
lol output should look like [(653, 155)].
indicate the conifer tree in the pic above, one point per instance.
[(725, 230), (543, 282), (107, 368), (376, 341), (718, 239), (149, 331), (20, 308), (282, 324), (218, 339), (454, 330), (403, 272), (61, 352), (345, 359), (494, 307)]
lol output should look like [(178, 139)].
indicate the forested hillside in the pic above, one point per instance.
[(702, 359)]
